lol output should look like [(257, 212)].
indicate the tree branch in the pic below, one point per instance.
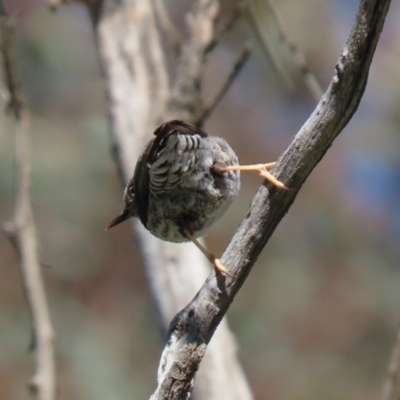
[(22, 231), (285, 55), (209, 105), (193, 327), (222, 29)]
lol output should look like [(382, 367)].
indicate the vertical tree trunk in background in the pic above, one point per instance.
[(22, 229), (139, 97)]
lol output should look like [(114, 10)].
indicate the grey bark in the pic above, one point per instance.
[(192, 328)]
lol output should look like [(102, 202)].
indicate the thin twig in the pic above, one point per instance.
[(209, 105), (192, 328), (285, 55), (221, 30), (393, 372), (22, 230)]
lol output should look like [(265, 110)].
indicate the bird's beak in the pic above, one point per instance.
[(120, 218)]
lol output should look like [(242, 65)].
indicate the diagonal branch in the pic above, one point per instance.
[(209, 105), (285, 55), (22, 230), (193, 327), (222, 29)]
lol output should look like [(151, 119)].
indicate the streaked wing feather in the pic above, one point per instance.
[(153, 154)]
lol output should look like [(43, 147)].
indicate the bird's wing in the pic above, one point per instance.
[(170, 154)]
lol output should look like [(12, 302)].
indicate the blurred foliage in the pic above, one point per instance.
[(317, 317)]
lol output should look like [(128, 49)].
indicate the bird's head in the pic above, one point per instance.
[(130, 209)]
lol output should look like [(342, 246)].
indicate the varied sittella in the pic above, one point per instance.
[(184, 181)]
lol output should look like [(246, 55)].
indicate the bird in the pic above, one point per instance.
[(184, 181)]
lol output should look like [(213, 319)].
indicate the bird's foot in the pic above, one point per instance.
[(219, 267), (261, 169), (211, 257)]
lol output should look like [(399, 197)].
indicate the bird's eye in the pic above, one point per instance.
[(131, 191)]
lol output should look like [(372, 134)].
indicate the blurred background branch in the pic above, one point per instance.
[(209, 105), (284, 53), (22, 230)]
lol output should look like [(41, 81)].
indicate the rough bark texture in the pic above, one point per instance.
[(193, 327)]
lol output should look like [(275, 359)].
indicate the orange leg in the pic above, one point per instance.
[(261, 169), (211, 257)]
